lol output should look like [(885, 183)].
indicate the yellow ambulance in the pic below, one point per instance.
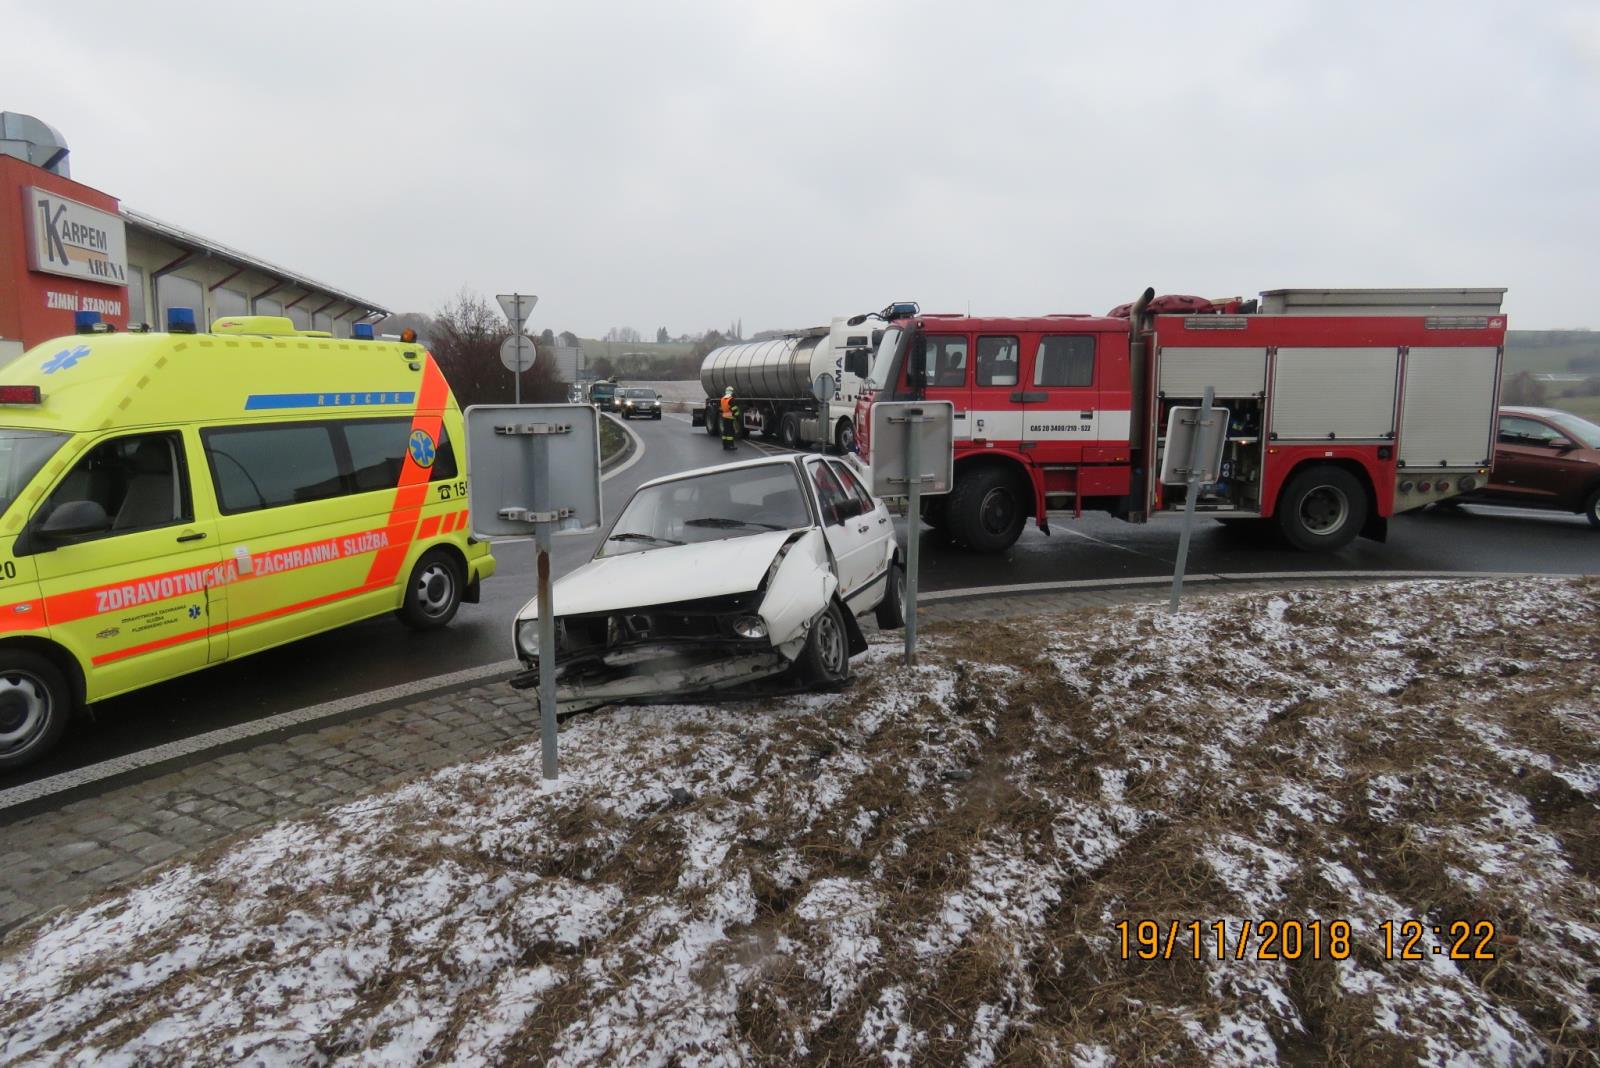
[(173, 500)]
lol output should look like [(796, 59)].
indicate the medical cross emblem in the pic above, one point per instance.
[(64, 359), (194, 611), (422, 450)]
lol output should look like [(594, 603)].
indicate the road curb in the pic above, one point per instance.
[(631, 446)]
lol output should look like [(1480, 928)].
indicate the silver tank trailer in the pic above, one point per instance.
[(779, 369)]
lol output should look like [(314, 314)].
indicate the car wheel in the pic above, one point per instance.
[(433, 593), (789, 431), (826, 657), (987, 511), (35, 705), (892, 609), (844, 437), (1322, 509), (1591, 508)]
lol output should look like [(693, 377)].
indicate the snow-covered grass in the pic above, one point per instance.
[(929, 868)]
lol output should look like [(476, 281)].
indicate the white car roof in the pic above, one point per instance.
[(766, 461)]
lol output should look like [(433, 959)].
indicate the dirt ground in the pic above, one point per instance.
[(1325, 827)]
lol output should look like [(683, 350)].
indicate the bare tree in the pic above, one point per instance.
[(1523, 388), (468, 333)]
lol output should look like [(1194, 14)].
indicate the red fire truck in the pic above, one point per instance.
[(1345, 407)]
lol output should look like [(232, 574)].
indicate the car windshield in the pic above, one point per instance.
[(715, 506), (641, 394), (22, 453), (1586, 433)]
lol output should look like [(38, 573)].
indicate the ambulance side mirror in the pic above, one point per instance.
[(75, 518)]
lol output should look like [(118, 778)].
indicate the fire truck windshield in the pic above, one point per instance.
[(883, 362)]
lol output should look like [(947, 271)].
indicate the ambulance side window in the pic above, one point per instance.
[(268, 466), (377, 452), (138, 480)]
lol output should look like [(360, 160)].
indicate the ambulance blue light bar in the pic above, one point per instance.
[(361, 331), (180, 320), (84, 322)]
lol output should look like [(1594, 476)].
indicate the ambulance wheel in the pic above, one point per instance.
[(1322, 508), (987, 510), (35, 705), (789, 431), (892, 609), (826, 657), (434, 592)]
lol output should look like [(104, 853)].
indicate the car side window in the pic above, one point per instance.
[(854, 486), (997, 361), (138, 480), (1517, 430), (831, 493)]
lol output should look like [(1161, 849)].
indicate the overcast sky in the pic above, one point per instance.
[(685, 164)]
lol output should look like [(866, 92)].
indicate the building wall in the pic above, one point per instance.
[(35, 305)]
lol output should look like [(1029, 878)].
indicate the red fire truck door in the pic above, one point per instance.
[(1060, 397)]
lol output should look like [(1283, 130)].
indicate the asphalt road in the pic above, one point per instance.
[(382, 652)]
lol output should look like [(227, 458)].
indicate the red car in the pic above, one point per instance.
[(1545, 458)]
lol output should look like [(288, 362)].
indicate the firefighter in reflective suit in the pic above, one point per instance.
[(730, 419)]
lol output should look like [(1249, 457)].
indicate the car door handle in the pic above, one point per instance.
[(1024, 396), (863, 528), (961, 415), (196, 536), (1086, 415)]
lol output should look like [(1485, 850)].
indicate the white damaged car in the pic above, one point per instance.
[(718, 577)]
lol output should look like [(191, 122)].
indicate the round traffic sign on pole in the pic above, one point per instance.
[(822, 388), (517, 352)]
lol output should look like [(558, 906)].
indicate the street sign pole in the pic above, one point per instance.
[(547, 615), (1202, 420), (913, 533), (516, 376)]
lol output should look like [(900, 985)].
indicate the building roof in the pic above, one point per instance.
[(188, 239)]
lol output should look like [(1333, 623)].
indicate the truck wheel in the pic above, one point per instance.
[(892, 609), (826, 657), (789, 431), (844, 436), (987, 510), (713, 422), (1591, 508), (433, 593), (35, 705), (1322, 509)]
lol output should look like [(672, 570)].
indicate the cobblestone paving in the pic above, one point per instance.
[(58, 857)]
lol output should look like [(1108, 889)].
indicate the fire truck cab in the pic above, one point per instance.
[(1344, 406)]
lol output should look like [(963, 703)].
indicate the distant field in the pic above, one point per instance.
[(1547, 351)]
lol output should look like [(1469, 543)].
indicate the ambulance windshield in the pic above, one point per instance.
[(22, 453)]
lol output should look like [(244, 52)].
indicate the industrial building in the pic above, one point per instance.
[(67, 247)]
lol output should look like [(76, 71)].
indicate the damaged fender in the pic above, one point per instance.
[(800, 586)]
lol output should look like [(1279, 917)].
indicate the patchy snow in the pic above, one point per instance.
[(930, 867)]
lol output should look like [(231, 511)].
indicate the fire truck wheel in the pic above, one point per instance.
[(826, 657), (35, 705), (1591, 508), (1322, 509), (987, 510), (844, 437), (789, 431), (892, 609)]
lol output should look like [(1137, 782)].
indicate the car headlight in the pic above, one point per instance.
[(750, 627), (528, 638)]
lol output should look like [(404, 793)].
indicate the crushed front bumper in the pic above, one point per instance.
[(657, 670)]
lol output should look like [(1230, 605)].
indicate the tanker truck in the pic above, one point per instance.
[(773, 381)]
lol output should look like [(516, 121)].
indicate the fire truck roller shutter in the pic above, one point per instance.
[(1232, 372), (1441, 384), (1340, 394)]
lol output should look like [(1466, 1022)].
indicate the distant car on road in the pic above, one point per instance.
[(637, 400), (715, 578), (1545, 458)]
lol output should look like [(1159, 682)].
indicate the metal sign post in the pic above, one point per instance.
[(1205, 438), (899, 468), (538, 466), (517, 306)]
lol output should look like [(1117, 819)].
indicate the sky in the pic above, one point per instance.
[(686, 164)]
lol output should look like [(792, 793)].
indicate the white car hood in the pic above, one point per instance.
[(664, 575)]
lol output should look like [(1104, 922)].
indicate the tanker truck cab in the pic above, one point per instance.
[(174, 500)]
